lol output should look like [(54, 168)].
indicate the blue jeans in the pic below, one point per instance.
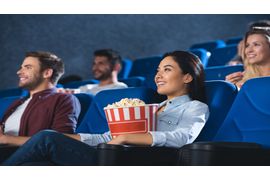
[(51, 148)]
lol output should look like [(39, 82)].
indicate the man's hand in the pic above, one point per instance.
[(67, 91), (1, 130), (2, 136), (234, 77)]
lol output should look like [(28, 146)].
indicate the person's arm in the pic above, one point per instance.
[(12, 140), (67, 91), (138, 139), (74, 136), (66, 114), (20, 140)]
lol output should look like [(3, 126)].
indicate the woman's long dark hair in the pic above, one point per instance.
[(190, 63)]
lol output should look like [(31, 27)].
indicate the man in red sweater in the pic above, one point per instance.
[(44, 108)]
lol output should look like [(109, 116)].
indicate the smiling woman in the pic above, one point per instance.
[(181, 73), (257, 49), (256, 56)]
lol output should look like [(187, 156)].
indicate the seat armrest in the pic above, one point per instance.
[(135, 155), (6, 151), (223, 153)]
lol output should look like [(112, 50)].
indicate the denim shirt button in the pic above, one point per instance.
[(170, 122)]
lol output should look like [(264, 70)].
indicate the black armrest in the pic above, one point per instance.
[(6, 151), (223, 153), (135, 155)]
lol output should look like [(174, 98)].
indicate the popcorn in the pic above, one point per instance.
[(126, 102), (131, 116)]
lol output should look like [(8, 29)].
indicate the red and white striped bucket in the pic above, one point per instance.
[(136, 119)]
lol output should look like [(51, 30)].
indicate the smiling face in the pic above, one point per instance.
[(101, 68), (170, 79), (257, 49), (30, 76)]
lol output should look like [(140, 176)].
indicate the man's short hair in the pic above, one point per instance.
[(113, 56), (49, 60)]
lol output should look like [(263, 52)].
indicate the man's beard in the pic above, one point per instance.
[(33, 84), (103, 76)]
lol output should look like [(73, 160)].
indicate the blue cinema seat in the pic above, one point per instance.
[(249, 117), (5, 103), (220, 96), (126, 67), (85, 101), (202, 54), (147, 68), (209, 46), (13, 92), (77, 84), (221, 56), (220, 72), (134, 81), (95, 121), (243, 138), (233, 40)]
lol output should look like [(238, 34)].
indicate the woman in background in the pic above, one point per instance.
[(256, 55)]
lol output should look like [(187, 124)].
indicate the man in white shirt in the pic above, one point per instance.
[(43, 108), (105, 67)]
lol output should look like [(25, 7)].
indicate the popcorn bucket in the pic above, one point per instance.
[(135, 119)]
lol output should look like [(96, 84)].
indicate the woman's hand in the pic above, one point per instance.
[(234, 77), (118, 140), (138, 139)]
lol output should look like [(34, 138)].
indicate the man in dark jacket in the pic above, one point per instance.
[(44, 108)]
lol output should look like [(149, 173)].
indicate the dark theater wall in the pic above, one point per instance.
[(75, 37)]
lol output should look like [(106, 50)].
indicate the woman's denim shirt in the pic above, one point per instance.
[(179, 123)]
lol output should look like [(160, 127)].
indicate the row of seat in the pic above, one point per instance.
[(146, 79), (141, 72), (92, 107), (211, 45), (212, 53), (235, 134), (230, 137)]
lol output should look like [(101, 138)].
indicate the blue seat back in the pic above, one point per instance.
[(220, 96), (249, 117), (135, 81), (233, 40), (220, 72), (77, 84), (13, 92), (221, 56), (202, 54), (209, 46), (85, 101), (126, 67), (146, 67), (5, 103), (95, 121)]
